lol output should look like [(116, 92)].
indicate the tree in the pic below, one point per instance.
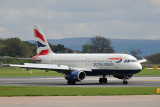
[(124, 51), (14, 47), (2, 46), (155, 59), (135, 53), (33, 48), (59, 48), (85, 48), (100, 44)]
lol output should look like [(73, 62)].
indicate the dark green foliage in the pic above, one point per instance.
[(59, 48), (15, 61), (98, 44), (155, 59), (14, 47), (85, 48), (32, 47), (135, 53)]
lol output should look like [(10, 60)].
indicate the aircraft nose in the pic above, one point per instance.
[(139, 66)]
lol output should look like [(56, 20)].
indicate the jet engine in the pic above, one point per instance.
[(75, 76)]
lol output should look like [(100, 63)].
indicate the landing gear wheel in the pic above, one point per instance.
[(125, 82), (105, 80), (102, 80), (71, 82)]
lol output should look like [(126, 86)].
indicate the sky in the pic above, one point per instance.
[(120, 19)]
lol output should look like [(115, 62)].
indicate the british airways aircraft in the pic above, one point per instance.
[(77, 66)]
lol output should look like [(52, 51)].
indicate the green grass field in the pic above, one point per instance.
[(68, 91), (75, 91), (17, 72), (149, 72)]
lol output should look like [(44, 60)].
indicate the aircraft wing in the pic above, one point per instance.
[(59, 68)]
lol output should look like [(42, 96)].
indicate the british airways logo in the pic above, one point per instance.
[(38, 44), (118, 59), (38, 35), (41, 44)]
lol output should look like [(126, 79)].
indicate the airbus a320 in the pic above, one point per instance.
[(77, 66)]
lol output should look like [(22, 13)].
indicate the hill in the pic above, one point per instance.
[(148, 47)]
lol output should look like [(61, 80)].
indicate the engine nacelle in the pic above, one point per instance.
[(122, 76), (75, 76)]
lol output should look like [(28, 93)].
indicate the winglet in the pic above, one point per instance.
[(142, 60)]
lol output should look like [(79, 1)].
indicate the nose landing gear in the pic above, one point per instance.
[(125, 80)]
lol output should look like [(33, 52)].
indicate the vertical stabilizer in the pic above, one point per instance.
[(41, 42)]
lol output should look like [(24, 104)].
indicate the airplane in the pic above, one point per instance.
[(77, 66)]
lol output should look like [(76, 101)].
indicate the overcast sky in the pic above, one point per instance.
[(123, 19)]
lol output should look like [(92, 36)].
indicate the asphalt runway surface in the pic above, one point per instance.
[(79, 101), (82, 101), (88, 82)]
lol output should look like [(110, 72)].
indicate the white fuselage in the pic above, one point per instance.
[(93, 61)]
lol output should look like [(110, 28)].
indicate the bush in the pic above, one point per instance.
[(15, 61)]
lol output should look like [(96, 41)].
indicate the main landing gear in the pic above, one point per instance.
[(71, 82), (103, 80)]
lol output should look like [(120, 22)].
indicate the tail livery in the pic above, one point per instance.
[(41, 42)]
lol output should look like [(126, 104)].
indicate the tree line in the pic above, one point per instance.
[(14, 47)]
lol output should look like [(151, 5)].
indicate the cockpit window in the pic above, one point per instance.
[(133, 61), (127, 61)]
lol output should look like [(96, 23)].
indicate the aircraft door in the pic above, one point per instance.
[(117, 61), (116, 65)]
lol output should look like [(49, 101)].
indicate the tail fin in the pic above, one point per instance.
[(41, 43)]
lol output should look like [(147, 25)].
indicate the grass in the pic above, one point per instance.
[(75, 91), (149, 72), (17, 72), (68, 91)]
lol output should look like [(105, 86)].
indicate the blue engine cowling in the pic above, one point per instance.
[(75, 76)]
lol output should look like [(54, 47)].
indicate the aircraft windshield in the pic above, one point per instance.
[(127, 61)]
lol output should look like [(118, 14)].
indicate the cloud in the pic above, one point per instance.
[(74, 18), (155, 2), (153, 37), (2, 29)]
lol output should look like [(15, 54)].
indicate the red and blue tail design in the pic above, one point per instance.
[(41, 43)]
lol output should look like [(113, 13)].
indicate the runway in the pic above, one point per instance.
[(88, 82), (82, 101)]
